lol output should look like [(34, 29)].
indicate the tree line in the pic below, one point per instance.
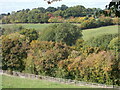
[(42, 15)]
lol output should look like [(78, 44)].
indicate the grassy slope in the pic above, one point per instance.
[(88, 33), (16, 82)]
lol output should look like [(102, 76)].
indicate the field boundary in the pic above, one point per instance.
[(59, 80)]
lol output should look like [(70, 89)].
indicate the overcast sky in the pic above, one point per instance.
[(14, 5)]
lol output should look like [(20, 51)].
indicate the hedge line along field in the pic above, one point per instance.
[(17, 82), (87, 33)]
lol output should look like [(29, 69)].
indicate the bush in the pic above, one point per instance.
[(14, 51), (104, 21), (99, 68), (58, 19), (90, 23), (95, 68), (114, 44), (116, 21), (65, 32), (44, 56), (30, 34), (101, 41)]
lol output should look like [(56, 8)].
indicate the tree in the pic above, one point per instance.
[(65, 32), (75, 11), (114, 6), (63, 7), (51, 9), (42, 10)]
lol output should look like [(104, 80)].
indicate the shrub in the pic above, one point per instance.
[(14, 51), (114, 44), (79, 44), (101, 41), (65, 32), (90, 23), (116, 21), (30, 34), (104, 21), (80, 19), (99, 68), (43, 59), (56, 19)]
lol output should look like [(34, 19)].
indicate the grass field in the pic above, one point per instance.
[(38, 27), (16, 82), (87, 34)]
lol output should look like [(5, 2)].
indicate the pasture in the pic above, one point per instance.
[(87, 33)]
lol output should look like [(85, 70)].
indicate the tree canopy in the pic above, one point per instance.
[(65, 32)]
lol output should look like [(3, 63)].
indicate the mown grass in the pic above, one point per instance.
[(17, 82), (87, 33)]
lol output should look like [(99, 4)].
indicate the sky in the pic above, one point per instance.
[(15, 5)]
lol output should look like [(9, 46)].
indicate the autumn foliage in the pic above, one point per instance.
[(95, 60)]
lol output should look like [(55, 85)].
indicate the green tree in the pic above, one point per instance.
[(75, 11), (51, 9), (63, 7), (65, 32)]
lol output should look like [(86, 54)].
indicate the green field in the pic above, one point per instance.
[(16, 82), (38, 27), (87, 34)]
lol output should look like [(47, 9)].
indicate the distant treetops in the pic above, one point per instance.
[(113, 4)]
